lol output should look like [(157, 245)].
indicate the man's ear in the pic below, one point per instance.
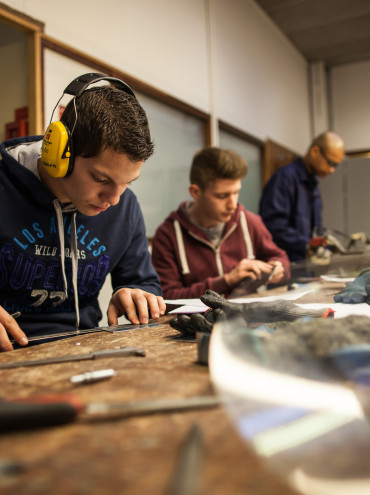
[(194, 191), (315, 151)]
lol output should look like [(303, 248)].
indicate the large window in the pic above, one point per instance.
[(164, 178), (251, 152)]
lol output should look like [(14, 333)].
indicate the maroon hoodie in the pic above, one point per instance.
[(188, 263)]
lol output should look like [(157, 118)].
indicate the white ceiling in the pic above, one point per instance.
[(333, 31)]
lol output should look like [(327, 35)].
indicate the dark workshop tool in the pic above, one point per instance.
[(202, 340), (77, 333), (52, 410), (121, 352), (184, 480), (10, 468)]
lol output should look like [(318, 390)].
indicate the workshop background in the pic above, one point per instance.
[(262, 77)]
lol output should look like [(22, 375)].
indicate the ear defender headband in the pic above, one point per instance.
[(56, 150)]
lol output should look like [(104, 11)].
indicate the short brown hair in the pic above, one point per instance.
[(107, 117), (210, 164)]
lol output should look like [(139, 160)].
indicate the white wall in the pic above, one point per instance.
[(319, 98), (351, 104), (260, 81), (59, 72), (345, 193), (161, 42)]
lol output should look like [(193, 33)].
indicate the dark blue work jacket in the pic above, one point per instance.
[(291, 208)]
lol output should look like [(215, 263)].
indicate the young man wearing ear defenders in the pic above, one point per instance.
[(61, 236)]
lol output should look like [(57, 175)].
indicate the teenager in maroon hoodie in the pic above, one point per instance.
[(213, 242)]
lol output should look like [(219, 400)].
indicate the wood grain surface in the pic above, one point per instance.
[(133, 455)]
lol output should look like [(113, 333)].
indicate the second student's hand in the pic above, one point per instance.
[(277, 272), (9, 328), (137, 305), (254, 269)]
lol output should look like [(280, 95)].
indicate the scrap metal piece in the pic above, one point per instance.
[(9, 467)]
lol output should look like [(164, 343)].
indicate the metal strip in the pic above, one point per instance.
[(77, 333)]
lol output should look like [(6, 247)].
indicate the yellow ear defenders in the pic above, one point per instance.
[(56, 149)]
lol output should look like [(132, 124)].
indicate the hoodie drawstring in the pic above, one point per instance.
[(181, 247), (246, 236), (182, 251), (59, 213)]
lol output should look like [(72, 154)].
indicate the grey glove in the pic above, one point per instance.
[(254, 312), (357, 291), (259, 312)]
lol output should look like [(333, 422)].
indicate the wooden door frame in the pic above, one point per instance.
[(33, 30), (47, 42)]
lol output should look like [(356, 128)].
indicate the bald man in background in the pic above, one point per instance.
[(291, 205)]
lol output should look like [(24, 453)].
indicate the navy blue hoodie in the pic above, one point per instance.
[(31, 274)]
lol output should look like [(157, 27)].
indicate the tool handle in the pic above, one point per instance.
[(38, 412)]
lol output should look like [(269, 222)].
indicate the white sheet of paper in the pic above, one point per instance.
[(287, 296), (336, 278), (199, 307), (185, 302)]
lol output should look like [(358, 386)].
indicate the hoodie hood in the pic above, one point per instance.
[(27, 150), (21, 161)]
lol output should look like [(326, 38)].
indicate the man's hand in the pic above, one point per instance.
[(136, 305), (10, 328), (255, 270)]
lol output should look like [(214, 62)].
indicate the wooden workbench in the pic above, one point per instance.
[(134, 455)]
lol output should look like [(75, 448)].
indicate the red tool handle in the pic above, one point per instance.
[(38, 412)]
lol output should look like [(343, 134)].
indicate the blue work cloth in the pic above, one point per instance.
[(291, 208)]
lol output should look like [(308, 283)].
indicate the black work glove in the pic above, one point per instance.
[(253, 312), (197, 322), (357, 291)]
